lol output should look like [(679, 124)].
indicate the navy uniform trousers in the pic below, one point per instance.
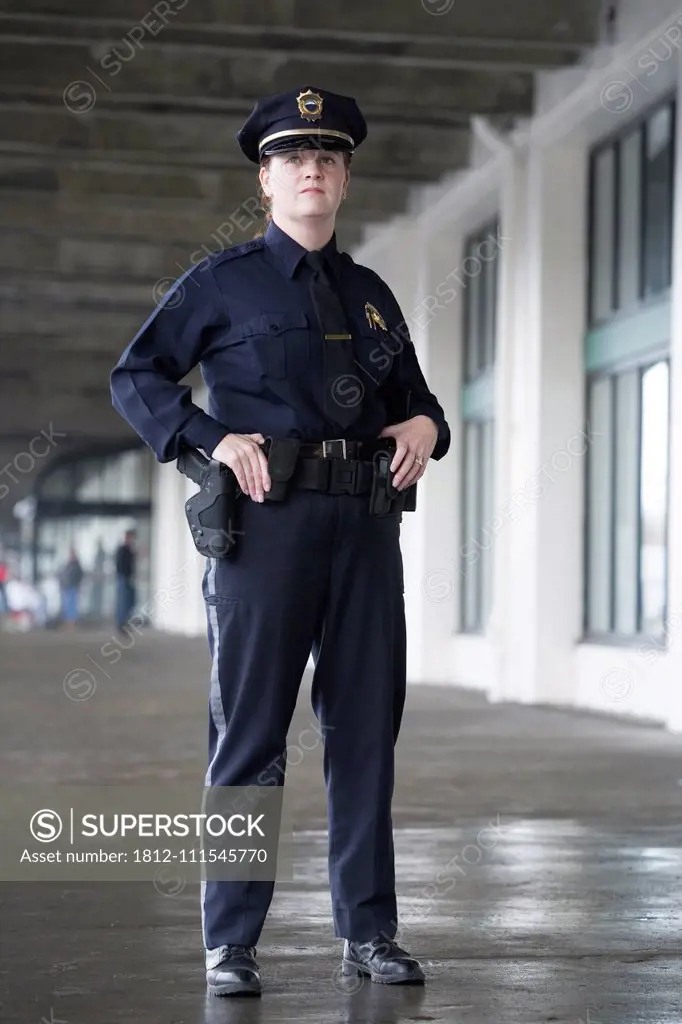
[(314, 573)]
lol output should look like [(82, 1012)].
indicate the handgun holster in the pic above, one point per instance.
[(385, 499), (213, 514)]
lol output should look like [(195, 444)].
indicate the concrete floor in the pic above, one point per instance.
[(568, 911)]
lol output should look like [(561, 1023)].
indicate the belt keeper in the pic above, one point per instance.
[(343, 476)]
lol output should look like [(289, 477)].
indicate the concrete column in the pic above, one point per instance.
[(398, 264), (671, 663), (511, 311), (431, 534), (176, 601), (414, 263), (542, 558)]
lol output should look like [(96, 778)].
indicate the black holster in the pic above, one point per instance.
[(214, 512), (385, 499), (282, 455)]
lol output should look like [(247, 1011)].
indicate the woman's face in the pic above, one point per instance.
[(304, 183)]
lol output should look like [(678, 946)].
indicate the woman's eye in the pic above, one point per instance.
[(293, 159)]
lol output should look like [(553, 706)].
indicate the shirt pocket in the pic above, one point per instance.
[(278, 343)]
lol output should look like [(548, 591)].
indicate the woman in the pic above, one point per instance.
[(296, 341)]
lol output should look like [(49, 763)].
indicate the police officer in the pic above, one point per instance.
[(297, 341)]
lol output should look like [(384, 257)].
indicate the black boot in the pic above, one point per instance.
[(232, 971), (383, 960)]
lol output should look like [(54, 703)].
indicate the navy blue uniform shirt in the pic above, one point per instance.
[(245, 316)]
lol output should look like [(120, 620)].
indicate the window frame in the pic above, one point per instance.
[(612, 636), (614, 141), (631, 337), (478, 413)]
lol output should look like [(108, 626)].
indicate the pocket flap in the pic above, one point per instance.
[(270, 323)]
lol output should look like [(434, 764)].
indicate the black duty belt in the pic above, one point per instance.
[(337, 466), (340, 448)]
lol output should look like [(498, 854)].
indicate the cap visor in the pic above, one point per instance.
[(318, 141)]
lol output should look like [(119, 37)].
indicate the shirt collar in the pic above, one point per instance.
[(290, 253)]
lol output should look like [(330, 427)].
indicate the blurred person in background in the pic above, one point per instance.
[(124, 563), (70, 581)]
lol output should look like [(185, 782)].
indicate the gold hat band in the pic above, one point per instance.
[(293, 132)]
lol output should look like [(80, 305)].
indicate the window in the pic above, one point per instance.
[(479, 328), (603, 171), (627, 353), (476, 551), (629, 219), (627, 502), (479, 274), (631, 215), (658, 191), (653, 499)]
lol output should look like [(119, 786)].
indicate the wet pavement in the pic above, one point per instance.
[(538, 855)]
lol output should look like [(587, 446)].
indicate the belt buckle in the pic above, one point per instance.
[(334, 441)]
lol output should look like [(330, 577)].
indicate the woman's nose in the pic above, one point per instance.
[(313, 169)]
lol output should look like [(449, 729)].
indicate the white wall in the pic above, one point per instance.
[(532, 649)]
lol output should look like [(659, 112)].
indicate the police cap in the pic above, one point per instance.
[(306, 117)]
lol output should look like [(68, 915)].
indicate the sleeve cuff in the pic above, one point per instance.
[(443, 442), (202, 431)]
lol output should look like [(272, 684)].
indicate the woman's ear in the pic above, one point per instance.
[(263, 177)]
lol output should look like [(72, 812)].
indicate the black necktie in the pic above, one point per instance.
[(342, 387)]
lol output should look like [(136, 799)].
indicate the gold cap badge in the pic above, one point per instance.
[(374, 317), (310, 105)]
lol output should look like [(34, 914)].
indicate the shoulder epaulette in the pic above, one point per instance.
[(368, 272), (240, 249), (360, 268)]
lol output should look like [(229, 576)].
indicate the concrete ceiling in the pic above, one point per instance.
[(118, 159)]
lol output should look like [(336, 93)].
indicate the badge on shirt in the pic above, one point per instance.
[(374, 317)]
